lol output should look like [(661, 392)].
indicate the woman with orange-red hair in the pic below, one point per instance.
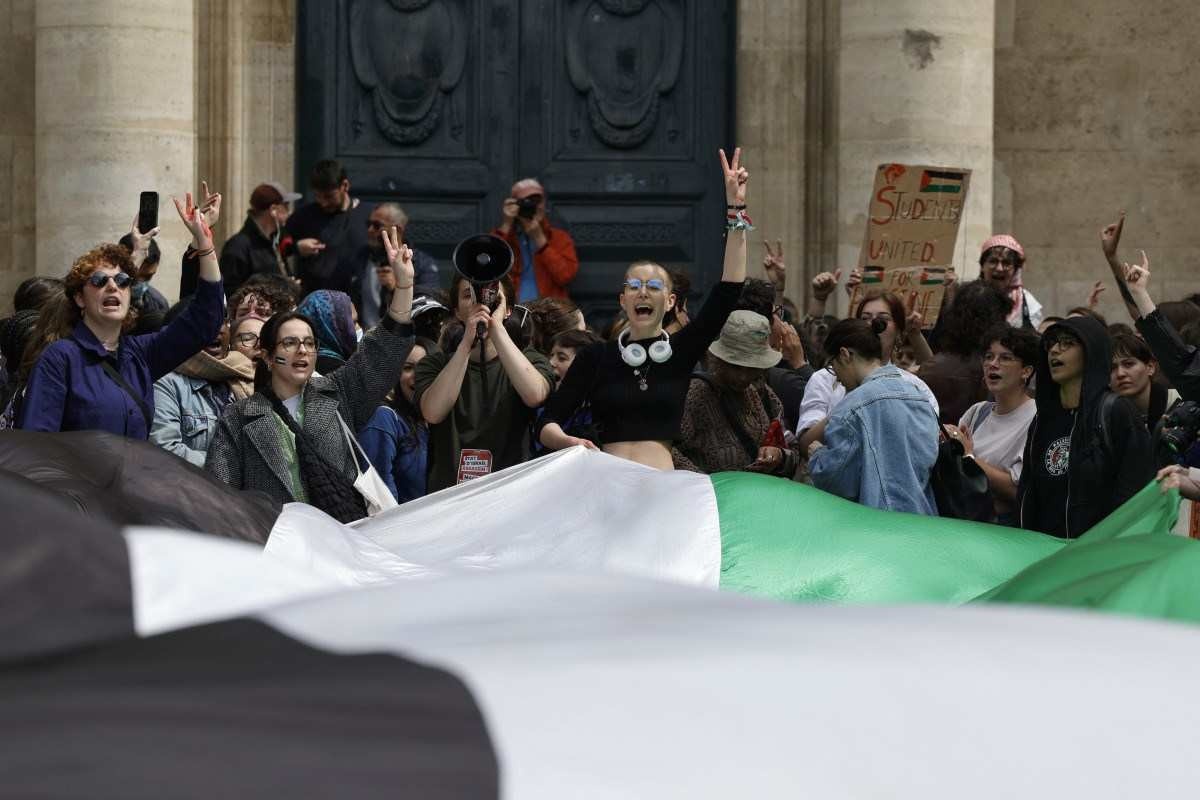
[(85, 371)]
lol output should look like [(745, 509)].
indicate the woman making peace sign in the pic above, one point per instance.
[(287, 439), (637, 384)]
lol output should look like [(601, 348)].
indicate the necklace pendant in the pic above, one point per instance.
[(642, 384)]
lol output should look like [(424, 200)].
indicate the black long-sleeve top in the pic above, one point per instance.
[(1180, 362), (623, 412)]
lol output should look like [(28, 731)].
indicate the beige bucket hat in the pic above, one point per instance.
[(746, 341)]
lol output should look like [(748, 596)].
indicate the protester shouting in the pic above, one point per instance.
[(292, 438), (1087, 451), (637, 383), (879, 446), (993, 431), (97, 377)]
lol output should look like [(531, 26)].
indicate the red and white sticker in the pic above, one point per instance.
[(474, 464)]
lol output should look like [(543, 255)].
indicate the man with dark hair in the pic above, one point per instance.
[(255, 248), (328, 232), (371, 280), (145, 298)]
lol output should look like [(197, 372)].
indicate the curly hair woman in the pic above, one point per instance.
[(86, 371)]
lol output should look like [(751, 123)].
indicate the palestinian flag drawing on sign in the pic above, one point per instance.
[(937, 181), (872, 274), (932, 276)]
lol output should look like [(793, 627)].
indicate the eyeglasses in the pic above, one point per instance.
[(1063, 340), (375, 225), (1004, 359), (883, 315), (100, 280), (652, 285), (291, 344), (998, 262), (247, 339)]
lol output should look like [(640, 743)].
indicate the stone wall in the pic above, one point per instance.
[(18, 187), (245, 99), (1097, 110)]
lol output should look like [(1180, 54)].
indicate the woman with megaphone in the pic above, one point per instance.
[(637, 385)]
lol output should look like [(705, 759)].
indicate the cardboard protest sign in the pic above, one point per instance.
[(912, 228)]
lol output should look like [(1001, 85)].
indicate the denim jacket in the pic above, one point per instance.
[(881, 443), (186, 412)]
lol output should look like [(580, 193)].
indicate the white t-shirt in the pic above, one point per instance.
[(823, 393), (1000, 438)]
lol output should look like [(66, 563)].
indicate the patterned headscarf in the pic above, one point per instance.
[(332, 312), (1016, 291)]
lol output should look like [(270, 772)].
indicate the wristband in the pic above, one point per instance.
[(742, 207), (202, 253), (738, 221)]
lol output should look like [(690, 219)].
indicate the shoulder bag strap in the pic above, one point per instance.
[(120, 379), (355, 448)]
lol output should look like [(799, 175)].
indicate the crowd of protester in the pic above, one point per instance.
[(324, 358)]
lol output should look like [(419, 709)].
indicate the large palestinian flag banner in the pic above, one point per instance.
[(584, 627)]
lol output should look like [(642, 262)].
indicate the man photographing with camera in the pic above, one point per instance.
[(545, 255)]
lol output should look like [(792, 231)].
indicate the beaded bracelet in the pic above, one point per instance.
[(739, 221)]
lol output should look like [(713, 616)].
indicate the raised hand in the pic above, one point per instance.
[(194, 220), (736, 177), (856, 277), (773, 263), (1137, 276), (785, 337), (912, 319), (824, 284), (1093, 298), (1110, 237), (399, 257), (141, 243), (211, 207)]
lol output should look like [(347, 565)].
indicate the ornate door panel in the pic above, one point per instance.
[(618, 106)]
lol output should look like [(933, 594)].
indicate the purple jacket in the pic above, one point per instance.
[(69, 390)]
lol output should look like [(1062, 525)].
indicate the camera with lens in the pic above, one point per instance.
[(1176, 434), (527, 206)]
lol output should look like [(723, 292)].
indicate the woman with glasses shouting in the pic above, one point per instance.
[(293, 438), (86, 371), (637, 385)]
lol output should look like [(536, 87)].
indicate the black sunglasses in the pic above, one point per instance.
[(100, 280)]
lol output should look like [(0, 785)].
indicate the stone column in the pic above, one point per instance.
[(771, 116), (915, 86), (115, 94)]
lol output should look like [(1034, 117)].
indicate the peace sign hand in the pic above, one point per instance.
[(192, 217), (773, 263), (399, 256), (211, 208), (735, 178)]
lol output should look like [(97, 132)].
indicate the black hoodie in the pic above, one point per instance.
[(1098, 477)]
